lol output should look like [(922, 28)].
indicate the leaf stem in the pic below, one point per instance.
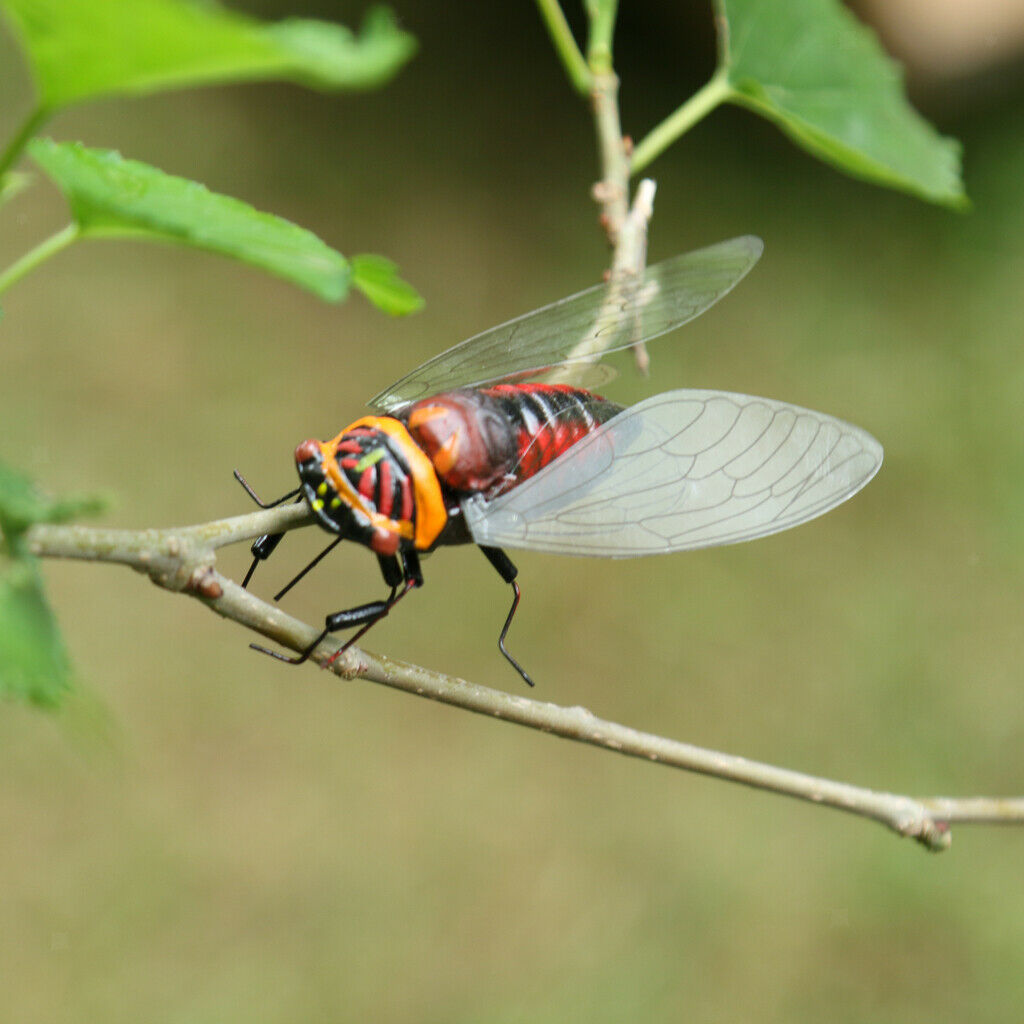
[(565, 45), (43, 251), (24, 133), (699, 105)]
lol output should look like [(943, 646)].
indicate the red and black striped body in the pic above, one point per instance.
[(489, 439), (395, 482)]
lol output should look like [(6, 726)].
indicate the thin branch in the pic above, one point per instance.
[(698, 106), (182, 559), (43, 251), (626, 229), (975, 810), (627, 265), (14, 183), (565, 45), (612, 190), (602, 15)]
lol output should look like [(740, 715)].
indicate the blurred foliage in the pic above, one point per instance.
[(811, 67), (89, 48), (277, 846), (377, 278), (33, 662), (21, 505), (111, 197)]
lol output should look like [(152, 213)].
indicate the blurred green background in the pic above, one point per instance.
[(207, 836)]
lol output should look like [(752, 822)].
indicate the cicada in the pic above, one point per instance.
[(504, 442)]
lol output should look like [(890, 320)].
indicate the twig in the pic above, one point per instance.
[(565, 44), (628, 264), (612, 190), (626, 231), (697, 107), (182, 559), (625, 227), (43, 251)]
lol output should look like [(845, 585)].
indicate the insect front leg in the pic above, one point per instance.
[(263, 547)]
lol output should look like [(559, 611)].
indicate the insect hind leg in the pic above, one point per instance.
[(508, 572)]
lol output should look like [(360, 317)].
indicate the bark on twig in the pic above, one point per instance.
[(625, 226)]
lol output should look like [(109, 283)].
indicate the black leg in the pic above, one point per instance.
[(411, 569), (263, 547), (295, 579), (506, 568), (255, 497), (508, 572), (387, 606), (364, 615), (391, 570)]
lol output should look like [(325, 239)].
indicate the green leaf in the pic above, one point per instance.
[(34, 665), (328, 56), (377, 278), (79, 49), (820, 75), (21, 505), (112, 196)]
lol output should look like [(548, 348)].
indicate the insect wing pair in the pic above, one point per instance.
[(681, 470)]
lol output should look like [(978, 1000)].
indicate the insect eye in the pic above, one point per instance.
[(308, 451)]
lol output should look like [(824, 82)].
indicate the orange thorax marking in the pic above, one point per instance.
[(447, 451), (430, 512)]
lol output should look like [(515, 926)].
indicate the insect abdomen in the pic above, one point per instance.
[(549, 419), (481, 438)]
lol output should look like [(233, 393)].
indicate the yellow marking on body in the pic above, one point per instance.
[(335, 502), (431, 514), (322, 489), (369, 459), (317, 505)]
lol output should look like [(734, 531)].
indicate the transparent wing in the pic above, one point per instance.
[(577, 331), (685, 469)]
